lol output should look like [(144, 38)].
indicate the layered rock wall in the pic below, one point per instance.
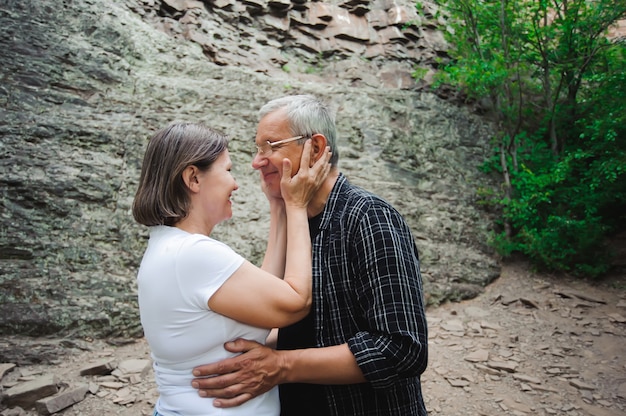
[(377, 43), (85, 83)]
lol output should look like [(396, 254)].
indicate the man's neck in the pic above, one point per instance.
[(317, 204)]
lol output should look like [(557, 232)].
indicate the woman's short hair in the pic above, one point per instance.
[(162, 197)]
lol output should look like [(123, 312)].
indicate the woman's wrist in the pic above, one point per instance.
[(277, 206)]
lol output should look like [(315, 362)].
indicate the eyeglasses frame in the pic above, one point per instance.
[(278, 143)]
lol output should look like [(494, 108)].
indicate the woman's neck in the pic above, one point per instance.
[(194, 226)]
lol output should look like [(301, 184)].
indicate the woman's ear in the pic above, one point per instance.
[(190, 177), (318, 144)]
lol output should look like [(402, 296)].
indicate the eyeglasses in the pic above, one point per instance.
[(266, 149)]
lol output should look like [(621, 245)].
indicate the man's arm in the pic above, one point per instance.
[(327, 365), (258, 369), (393, 343)]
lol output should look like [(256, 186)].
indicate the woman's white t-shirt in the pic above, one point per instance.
[(178, 274)]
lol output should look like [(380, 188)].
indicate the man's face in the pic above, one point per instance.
[(273, 128)]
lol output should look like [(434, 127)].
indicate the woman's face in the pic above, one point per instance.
[(216, 187)]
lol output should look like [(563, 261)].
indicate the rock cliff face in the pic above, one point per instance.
[(86, 82), (356, 42)]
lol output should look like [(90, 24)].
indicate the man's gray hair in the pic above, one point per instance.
[(307, 115)]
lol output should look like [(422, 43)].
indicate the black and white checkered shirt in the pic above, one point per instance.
[(367, 291)]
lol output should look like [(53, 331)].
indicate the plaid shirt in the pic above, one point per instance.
[(367, 292)]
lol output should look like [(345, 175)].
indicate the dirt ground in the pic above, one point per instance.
[(529, 345)]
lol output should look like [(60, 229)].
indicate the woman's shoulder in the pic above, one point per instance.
[(188, 244)]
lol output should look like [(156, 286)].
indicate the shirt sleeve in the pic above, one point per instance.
[(204, 265), (393, 344)]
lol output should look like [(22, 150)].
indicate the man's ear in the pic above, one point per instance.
[(318, 144), (190, 177)]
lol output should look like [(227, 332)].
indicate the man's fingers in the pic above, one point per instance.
[(214, 384), (225, 366), (241, 345), (235, 401), (220, 367), (225, 392)]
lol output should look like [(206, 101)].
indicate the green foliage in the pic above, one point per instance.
[(556, 87), (556, 220)]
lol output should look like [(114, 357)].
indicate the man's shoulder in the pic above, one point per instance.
[(358, 196), (353, 203), (348, 190)]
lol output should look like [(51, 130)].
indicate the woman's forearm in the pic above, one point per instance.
[(274, 260), (298, 265)]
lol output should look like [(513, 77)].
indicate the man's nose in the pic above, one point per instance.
[(258, 161)]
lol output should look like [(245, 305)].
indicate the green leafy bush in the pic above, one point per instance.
[(556, 88)]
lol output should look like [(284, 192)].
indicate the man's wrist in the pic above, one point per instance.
[(286, 364)]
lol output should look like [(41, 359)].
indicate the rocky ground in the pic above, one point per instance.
[(529, 345)]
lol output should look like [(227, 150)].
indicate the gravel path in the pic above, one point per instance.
[(529, 345)]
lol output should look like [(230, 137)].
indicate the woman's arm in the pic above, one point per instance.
[(275, 253), (256, 297)]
